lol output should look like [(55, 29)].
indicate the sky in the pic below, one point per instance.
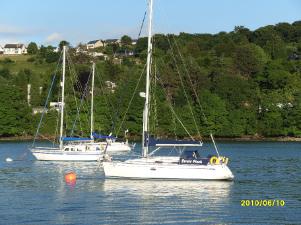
[(78, 21)]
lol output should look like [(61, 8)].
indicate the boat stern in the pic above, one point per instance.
[(224, 172)]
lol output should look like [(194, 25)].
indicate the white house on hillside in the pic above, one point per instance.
[(134, 41), (14, 49), (111, 85), (1, 49), (57, 49), (95, 44)]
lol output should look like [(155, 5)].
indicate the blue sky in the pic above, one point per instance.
[(49, 21)]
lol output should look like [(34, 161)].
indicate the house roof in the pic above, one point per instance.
[(13, 46), (93, 42)]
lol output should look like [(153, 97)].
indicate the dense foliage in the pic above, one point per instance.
[(248, 83)]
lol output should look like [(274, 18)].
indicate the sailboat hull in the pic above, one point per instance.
[(118, 147), (162, 169), (58, 155)]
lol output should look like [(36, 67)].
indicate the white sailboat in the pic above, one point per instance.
[(76, 149), (188, 166), (110, 143)]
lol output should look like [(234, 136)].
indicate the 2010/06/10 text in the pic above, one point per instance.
[(262, 202)]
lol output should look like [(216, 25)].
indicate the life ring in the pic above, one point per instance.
[(224, 160), (214, 160)]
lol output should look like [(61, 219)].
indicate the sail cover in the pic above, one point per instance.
[(76, 139), (172, 143), (99, 136)]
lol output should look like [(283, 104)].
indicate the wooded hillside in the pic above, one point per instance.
[(247, 82)]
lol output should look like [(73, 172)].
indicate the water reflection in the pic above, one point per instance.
[(181, 201), (218, 190), (88, 174)]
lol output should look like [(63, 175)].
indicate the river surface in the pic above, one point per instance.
[(34, 192)]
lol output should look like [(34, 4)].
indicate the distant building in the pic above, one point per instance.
[(117, 61), (57, 49), (111, 85), (134, 41), (55, 106), (37, 110), (98, 54), (294, 56), (284, 105), (112, 41), (101, 43), (1, 49), (81, 50), (125, 53), (14, 49), (95, 44)]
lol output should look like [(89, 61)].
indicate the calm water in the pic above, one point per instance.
[(33, 192)]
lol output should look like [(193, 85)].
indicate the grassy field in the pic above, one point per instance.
[(20, 62), (16, 58)]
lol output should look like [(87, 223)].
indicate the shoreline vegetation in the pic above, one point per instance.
[(205, 139)]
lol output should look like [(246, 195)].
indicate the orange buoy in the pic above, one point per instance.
[(70, 178)]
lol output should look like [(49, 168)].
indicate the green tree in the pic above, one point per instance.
[(32, 48), (249, 59), (270, 40), (126, 40), (141, 48), (13, 110), (63, 43), (216, 114), (51, 57)]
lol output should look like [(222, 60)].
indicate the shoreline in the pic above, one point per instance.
[(205, 139)]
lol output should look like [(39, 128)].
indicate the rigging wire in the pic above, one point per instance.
[(170, 104), (107, 103), (44, 110), (172, 109), (74, 96), (195, 93), (84, 94), (182, 84), (198, 101), (46, 102), (72, 84), (141, 27), (133, 95), (82, 90), (190, 80)]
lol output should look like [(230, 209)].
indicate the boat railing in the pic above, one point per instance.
[(45, 147)]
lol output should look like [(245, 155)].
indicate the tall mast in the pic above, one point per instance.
[(63, 97), (92, 101), (148, 70)]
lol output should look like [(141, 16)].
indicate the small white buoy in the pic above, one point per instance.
[(8, 159)]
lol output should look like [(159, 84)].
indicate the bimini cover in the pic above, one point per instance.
[(99, 136)]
